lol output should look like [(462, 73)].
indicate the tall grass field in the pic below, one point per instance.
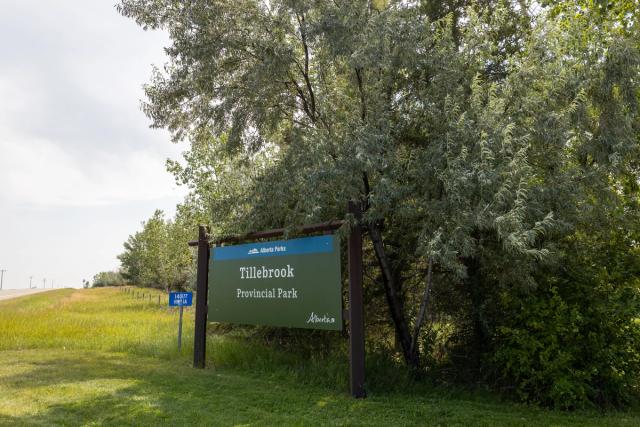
[(105, 357)]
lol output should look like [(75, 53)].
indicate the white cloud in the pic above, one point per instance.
[(77, 158), (71, 133), (42, 173)]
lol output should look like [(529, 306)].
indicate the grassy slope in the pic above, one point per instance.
[(99, 357)]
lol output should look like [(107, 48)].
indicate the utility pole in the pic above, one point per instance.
[(30, 282), (1, 278), (44, 283)]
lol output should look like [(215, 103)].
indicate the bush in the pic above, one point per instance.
[(107, 278), (575, 340)]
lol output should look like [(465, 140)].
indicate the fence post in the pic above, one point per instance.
[(200, 332), (356, 312)]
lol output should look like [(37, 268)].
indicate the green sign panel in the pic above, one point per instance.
[(291, 283)]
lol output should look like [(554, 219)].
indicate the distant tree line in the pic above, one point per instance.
[(493, 146), (107, 278), (158, 256)]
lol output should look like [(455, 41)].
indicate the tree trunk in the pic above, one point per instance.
[(394, 299), (473, 283), (423, 309)]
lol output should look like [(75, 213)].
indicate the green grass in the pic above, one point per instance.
[(100, 357)]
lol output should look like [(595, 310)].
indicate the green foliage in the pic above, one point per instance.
[(107, 278), (569, 352), (575, 340), (617, 15), (484, 137), (158, 256)]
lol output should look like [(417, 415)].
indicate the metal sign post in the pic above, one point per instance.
[(180, 299), (180, 331)]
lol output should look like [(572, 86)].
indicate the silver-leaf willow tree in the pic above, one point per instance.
[(484, 140)]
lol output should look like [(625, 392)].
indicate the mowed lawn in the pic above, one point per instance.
[(102, 357)]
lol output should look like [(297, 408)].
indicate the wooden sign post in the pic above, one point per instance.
[(355, 312)]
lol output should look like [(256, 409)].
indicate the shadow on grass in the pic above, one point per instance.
[(115, 389), (74, 388)]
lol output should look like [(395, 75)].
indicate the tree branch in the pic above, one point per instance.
[(303, 98), (305, 70), (423, 307), (363, 105)]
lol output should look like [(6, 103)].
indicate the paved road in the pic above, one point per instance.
[(15, 293)]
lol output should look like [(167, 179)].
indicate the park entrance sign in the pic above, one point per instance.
[(292, 283)]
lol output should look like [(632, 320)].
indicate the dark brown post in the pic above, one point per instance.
[(200, 333), (356, 315)]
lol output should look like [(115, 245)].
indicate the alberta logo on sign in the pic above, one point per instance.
[(314, 318)]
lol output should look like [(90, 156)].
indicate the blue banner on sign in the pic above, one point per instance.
[(180, 299), (306, 245)]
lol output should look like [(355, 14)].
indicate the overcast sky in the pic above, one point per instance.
[(79, 166)]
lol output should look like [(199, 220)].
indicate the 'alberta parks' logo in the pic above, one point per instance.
[(267, 250), (314, 318)]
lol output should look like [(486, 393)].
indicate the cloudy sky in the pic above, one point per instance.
[(79, 166)]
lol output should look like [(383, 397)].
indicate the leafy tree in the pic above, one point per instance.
[(107, 278), (479, 140), (618, 16), (158, 255)]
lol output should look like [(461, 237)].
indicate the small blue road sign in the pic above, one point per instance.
[(180, 299)]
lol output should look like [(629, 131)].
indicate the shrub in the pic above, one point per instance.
[(575, 340)]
